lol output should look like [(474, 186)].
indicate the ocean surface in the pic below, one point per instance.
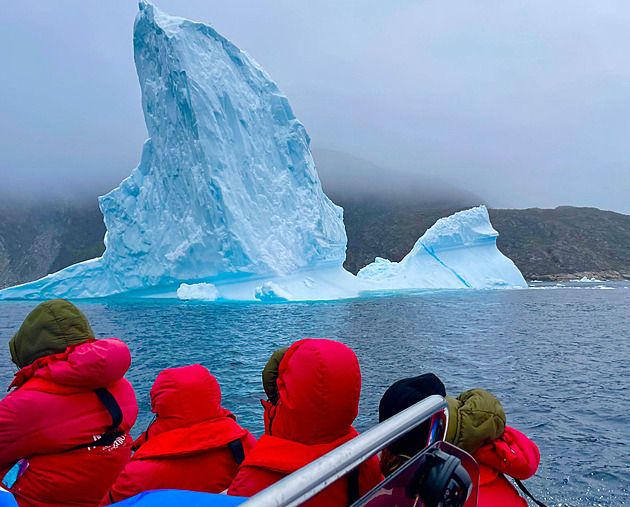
[(557, 356)]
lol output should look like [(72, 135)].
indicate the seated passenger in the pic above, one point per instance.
[(399, 396), (313, 389), (193, 444), (477, 425), (67, 420)]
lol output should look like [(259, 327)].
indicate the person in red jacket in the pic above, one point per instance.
[(477, 425), (193, 444), (66, 423), (512, 454), (313, 389)]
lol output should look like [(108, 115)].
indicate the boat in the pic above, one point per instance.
[(440, 475)]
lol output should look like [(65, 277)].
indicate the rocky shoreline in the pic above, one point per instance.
[(601, 276)]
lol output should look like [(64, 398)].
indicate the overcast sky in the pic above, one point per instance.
[(525, 103)]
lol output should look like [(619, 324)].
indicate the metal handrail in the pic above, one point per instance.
[(306, 482)]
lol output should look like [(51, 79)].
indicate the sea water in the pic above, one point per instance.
[(557, 356)]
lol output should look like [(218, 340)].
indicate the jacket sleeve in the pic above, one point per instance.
[(18, 438)]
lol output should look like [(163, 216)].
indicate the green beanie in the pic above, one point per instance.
[(270, 375), (49, 329), (475, 418)]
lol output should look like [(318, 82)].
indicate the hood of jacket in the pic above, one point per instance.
[(49, 329), (319, 384), (476, 418), (512, 454), (182, 397), (81, 367)]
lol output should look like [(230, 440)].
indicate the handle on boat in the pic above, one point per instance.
[(305, 483)]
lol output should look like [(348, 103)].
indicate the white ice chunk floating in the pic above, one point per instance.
[(199, 291), (226, 202)]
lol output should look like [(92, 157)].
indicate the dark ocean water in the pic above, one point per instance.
[(557, 357)]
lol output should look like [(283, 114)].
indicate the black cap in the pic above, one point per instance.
[(403, 394)]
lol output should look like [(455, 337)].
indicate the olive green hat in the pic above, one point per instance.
[(475, 418), (49, 329), (270, 375)]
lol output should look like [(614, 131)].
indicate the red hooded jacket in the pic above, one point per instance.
[(187, 445), (511, 454), (319, 383), (55, 408)]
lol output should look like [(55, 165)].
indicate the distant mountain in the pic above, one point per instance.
[(566, 242), (38, 239), (345, 176)]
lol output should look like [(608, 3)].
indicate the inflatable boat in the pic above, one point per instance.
[(440, 475)]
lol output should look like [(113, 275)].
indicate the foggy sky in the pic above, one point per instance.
[(523, 103)]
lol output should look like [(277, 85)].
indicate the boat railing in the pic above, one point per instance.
[(306, 482)]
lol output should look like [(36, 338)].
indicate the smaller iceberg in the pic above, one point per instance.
[(459, 251), (586, 279), (200, 291)]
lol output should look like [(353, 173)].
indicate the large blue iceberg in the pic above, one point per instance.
[(226, 202)]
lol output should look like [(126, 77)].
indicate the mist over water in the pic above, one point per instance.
[(556, 356)]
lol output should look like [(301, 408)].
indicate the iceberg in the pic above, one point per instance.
[(226, 202), (459, 251)]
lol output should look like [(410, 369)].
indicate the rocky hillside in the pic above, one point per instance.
[(37, 239), (566, 242), (546, 244)]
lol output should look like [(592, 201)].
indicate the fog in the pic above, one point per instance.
[(520, 104)]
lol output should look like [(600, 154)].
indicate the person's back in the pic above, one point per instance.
[(317, 387), (477, 424), (193, 444), (70, 413)]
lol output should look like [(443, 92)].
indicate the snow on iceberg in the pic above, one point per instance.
[(270, 291), (458, 251), (226, 202)]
